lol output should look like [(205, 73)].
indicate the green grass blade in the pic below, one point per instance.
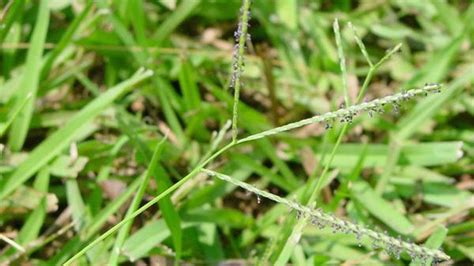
[(126, 37), (79, 214), (380, 208), (183, 10), (289, 244), (9, 57), (422, 154), (188, 86), (31, 229), (13, 13), (66, 39), (449, 16), (287, 10), (342, 62), (361, 44), (60, 139), (139, 21), (140, 243), (30, 79), (161, 88), (13, 114)]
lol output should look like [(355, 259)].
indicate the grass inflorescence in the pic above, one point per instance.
[(105, 165), (343, 115)]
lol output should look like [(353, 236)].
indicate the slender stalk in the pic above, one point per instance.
[(360, 44), (321, 178)]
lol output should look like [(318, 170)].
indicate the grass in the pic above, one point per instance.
[(164, 164)]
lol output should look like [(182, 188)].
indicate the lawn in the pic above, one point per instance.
[(236, 132)]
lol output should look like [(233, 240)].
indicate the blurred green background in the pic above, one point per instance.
[(72, 156)]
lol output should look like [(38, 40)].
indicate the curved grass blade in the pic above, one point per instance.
[(13, 114), (13, 12), (60, 139), (65, 39), (30, 81)]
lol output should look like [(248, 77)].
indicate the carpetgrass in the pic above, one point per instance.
[(212, 132)]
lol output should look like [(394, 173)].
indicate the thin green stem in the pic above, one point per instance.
[(315, 192), (365, 85), (360, 44), (388, 55)]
